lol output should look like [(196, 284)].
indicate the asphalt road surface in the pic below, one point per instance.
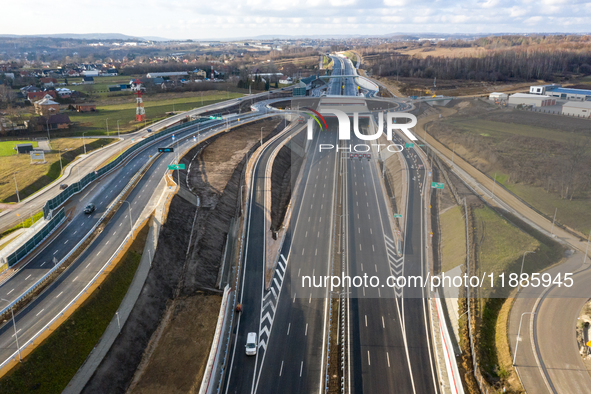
[(58, 295)]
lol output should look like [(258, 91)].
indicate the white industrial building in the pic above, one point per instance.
[(535, 100), (577, 108), (496, 96), (557, 91), (168, 74)]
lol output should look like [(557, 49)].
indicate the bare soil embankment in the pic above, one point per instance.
[(165, 344)]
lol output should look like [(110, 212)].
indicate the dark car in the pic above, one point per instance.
[(89, 208), (149, 130), (63, 186)]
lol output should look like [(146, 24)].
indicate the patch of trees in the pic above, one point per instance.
[(495, 66)]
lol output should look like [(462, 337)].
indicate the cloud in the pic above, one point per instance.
[(246, 18)]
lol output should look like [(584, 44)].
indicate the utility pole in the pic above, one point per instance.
[(552, 228), (494, 184), (587, 250), (521, 272), (107, 120), (16, 186)]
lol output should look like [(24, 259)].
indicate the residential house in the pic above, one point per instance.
[(85, 107), (200, 73), (72, 73), (88, 81), (53, 122), (64, 92), (47, 106), (35, 96), (48, 82)]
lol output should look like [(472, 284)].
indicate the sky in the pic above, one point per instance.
[(219, 19)]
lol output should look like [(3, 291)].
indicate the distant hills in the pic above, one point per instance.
[(89, 36)]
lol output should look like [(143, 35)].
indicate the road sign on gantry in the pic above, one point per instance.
[(410, 145), (397, 215), (437, 185), (176, 166), (165, 150)]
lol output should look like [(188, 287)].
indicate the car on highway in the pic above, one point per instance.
[(149, 130), (89, 208), (63, 186), (251, 344)]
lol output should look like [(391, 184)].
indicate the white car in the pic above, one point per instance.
[(251, 344)]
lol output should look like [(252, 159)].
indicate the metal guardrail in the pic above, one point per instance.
[(74, 188), (57, 316), (37, 239), (34, 286)]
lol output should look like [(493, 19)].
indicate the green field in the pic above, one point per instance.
[(453, 238), (51, 366), (7, 147), (501, 243), (96, 122), (540, 141), (33, 177), (499, 131)]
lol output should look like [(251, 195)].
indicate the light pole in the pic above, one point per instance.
[(130, 222), (262, 136), (587, 250), (518, 332), (107, 120), (494, 184), (83, 141), (16, 186), (553, 220), (15, 332), (521, 272), (60, 152), (118, 134)]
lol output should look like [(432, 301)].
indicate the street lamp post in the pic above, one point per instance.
[(107, 120), (15, 332), (60, 153), (587, 250), (83, 141), (262, 136), (130, 222), (553, 220), (518, 332), (521, 272), (16, 186)]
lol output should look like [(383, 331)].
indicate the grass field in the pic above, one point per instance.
[(7, 147), (33, 177), (52, 365), (453, 238), (501, 242), (539, 142), (96, 122)]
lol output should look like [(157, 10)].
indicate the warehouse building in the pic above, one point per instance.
[(168, 74), (496, 96), (557, 91), (577, 108), (535, 100)]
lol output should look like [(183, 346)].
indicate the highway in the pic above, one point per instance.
[(86, 163), (389, 335), (59, 293)]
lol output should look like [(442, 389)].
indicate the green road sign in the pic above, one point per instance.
[(437, 185), (410, 145), (397, 215), (176, 166)]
